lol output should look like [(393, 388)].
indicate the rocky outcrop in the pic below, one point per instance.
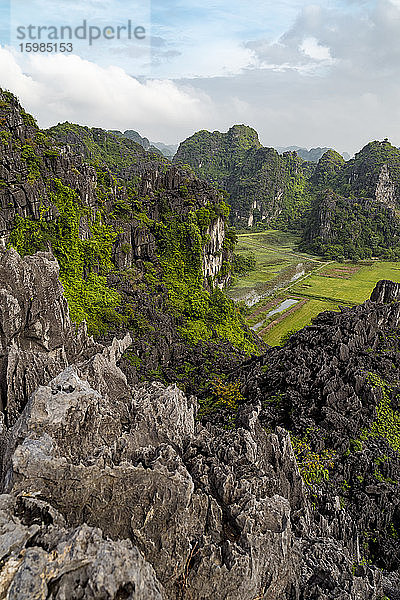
[(131, 234), (211, 511), (214, 253), (353, 228), (262, 185), (117, 488), (334, 386), (112, 491), (37, 338), (385, 189), (43, 558)]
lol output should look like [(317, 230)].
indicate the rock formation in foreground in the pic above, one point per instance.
[(111, 491), (277, 479)]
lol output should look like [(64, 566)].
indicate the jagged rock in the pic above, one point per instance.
[(210, 510), (330, 385), (41, 558), (216, 513), (386, 291), (37, 339)]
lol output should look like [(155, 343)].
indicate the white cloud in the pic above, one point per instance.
[(331, 80), (60, 88), (311, 47)]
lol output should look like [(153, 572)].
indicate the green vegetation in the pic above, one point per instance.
[(201, 310), (213, 155), (122, 156), (355, 214), (324, 286), (314, 467), (328, 288), (84, 264), (271, 189), (349, 283), (243, 264), (224, 398), (276, 262), (328, 167), (32, 160), (387, 423), (296, 320)]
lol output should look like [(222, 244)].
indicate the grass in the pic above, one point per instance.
[(354, 290), (324, 286), (297, 320), (276, 262)]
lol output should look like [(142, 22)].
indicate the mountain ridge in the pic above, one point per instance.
[(168, 454)]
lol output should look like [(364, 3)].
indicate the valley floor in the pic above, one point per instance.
[(288, 289)]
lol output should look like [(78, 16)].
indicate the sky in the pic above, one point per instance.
[(305, 73)]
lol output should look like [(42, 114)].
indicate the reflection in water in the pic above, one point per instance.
[(298, 275), (283, 306), (278, 309)]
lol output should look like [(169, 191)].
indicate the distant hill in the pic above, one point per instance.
[(166, 150), (312, 155), (355, 210), (343, 209), (262, 185)]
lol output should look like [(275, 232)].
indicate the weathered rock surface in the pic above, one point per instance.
[(37, 338), (334, 385), (42, 558), (102, 483), (262, 185), (112, 490)]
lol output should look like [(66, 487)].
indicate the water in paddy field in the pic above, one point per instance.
[(283, 306), (259, 291), (278, 309)]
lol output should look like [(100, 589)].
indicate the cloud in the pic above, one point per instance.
[(60, 88), (332, 79), (311, 48)]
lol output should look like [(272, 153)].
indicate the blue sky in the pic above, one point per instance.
[(188, 38), (302, 72)]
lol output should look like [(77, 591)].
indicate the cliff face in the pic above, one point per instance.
[(262, 185), (341, 227), (375, 167), (334, 385), (112, 491), (312, 155), (142, 245), (328, 167), (354, 213)]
